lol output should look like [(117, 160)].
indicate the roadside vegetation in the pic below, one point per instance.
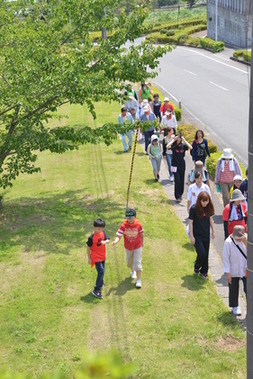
[(244, 55), (48, 315)]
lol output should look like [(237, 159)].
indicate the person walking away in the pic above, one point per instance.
[(178, 164), (234, 213), (200, 147), (227, 167), (200, 221), (96, 252), (145, 92), (133, 232), (235, 265), (132, 104), (148, 116), (155, 155), (126, 117)]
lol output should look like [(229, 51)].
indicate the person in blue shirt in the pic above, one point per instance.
[(148, 116)]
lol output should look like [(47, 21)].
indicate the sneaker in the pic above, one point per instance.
[(125, 151), (236, 311), (130, 147), (195, 271), (138, 283), (133, 275), (171, 178), (204, 275), (97, 294), (156, 180)]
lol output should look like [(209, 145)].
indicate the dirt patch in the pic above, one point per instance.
[(228, 343)]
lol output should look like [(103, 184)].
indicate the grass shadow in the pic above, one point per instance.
[(193, 282), (126, 285), (188, 246), (53, 224)]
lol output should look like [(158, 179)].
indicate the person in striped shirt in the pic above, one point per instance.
[(227, 167)]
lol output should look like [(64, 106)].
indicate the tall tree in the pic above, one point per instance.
[(48, 58)]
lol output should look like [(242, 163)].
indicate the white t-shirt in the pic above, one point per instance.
[(194, 190)]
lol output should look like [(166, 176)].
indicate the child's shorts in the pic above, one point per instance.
[(133, 258)]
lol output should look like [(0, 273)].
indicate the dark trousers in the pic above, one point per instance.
[(100, 267), (147, 136), (179, 182), (234, 291), (202, 250)]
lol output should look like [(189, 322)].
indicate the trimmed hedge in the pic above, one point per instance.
[(208, 43), (247, 56), (182, 38)]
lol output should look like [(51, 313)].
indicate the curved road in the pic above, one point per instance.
[(214, 92)]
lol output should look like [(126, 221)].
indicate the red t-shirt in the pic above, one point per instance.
[(131, 232), (164, 107), (231, 224), (97, 251)]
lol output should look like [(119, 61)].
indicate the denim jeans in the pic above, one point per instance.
[(100, 267), (156, 164), (169, 160), (129, 135)]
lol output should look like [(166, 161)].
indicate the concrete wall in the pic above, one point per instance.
[(234, 23)]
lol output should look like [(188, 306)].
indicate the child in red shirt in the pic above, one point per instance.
[(97, 254), (132, 231)]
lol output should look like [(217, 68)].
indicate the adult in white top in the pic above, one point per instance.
[(169, 121), (195, 188), (235, 264), (132, 104), (145, 103)]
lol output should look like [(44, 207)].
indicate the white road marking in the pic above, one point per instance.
[(217, 85), (216, 60), (189, 72)]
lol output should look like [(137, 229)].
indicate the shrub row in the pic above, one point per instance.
[(175, 25), (215, 46)]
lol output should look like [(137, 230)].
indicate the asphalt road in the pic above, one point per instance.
[(214, 93)]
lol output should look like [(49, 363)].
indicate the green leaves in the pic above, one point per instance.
[(48, 58)]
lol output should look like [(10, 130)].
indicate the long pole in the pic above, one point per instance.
[(216, 20), (250, 229)]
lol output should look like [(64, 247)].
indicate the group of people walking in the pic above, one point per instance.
[(200, 207)]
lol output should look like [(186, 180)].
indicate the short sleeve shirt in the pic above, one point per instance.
[(201, 226), (131, 233)]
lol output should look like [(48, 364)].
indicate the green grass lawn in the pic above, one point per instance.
[(174, 327)]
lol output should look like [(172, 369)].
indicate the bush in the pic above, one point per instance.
[(193, 41), (170, 32), (163, 31), (182, 38), (211, 166), (212, 45), (178, 112), (238, 54), (247, 56)]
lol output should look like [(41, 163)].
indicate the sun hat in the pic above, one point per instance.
[(238, 231), (146, 108), (168, 112), (237, 195), (144, 102), (130, 212), (227, 154), (199, 166), (166, 99), (154, 138), (237, 177)]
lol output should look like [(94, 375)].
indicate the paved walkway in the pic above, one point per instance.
[(215, 255)]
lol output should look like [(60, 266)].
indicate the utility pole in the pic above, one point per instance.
[(250, 221)]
